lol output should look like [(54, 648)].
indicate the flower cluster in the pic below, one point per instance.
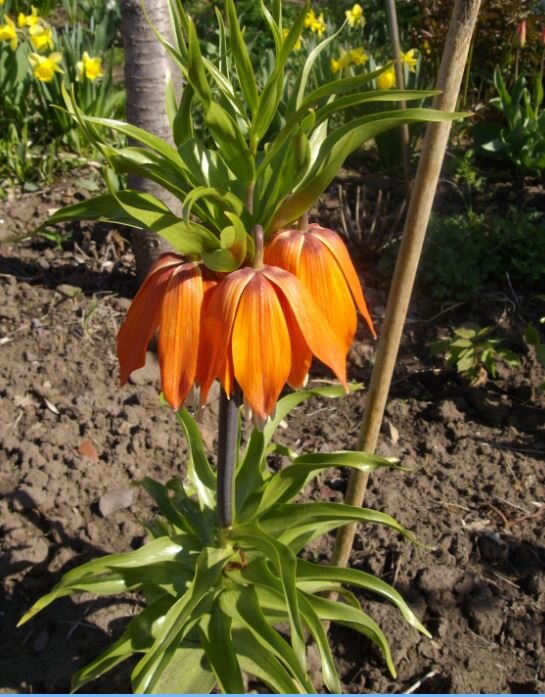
[(354, 56), (257, 327), (387, 79), (355, 16), (43, 59), (315, 23)]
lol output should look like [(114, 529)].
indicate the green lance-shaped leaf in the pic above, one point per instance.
[(272, 92), (310, 520), (246, 76), (336, 148), (290, 401), (187, 672), (329, 610), (353, 100), (297, 117), (301, 85), (215, 633), (149, 165), (140, 210), (243, 606), (196, 73), (142, 136), (201, 473), (362, 579), (287, 483), (182, 125), (273, 26), (160, 495), (177, 621), (225, 200), (252, 472), (284, 562), (137, 637), (272, 602), (234, 247), (261, 664), (89, 576), (233, 147), (312, 620)]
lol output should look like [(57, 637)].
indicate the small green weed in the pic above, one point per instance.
[(474, 353)]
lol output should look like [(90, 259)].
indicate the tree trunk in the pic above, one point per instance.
[(147, 68)]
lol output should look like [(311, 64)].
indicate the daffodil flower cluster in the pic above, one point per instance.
[(354, 56), (44, 61), (387, 79), (355, 16)]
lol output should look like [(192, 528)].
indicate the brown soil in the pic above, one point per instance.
[(73, 444)]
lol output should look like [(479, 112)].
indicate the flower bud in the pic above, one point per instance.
[(519, 37)]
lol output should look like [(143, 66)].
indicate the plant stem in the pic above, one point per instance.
[(400, 83), (227, 452), (451, 72)]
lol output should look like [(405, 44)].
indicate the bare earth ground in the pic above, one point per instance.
[(73, 443)]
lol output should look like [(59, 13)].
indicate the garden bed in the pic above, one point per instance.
[(73, 443)]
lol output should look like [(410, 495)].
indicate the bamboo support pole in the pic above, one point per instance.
[(400, 83), (449, 80)]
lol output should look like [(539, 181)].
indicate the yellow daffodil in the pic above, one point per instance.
[(315, 24), (358, 56), (8, 32), (1, 3), (340, 63), (43, 68), (426, 47), (409, 59), (28, 20), (387, 79), (41, 37), (355, 16), (297, 45), (90, 68)]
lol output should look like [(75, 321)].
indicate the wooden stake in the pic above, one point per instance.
[(451, 72)]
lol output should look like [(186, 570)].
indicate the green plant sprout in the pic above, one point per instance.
[(474, 353)]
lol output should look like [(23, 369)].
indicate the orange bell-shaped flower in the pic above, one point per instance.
[(170, 299), (260, 327), (319, 258)]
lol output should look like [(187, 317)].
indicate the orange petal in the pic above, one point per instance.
[(217, 326), (142, 318), (337, 247), (320, 273), (284, 250), (301, 355), (323, 343), (261, 346), (179, 329)]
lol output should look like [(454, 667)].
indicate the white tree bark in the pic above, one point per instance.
[(146, 72)]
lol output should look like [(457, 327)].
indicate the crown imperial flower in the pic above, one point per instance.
[(320, 260), (43, 68), (170, 300), (262, 327)]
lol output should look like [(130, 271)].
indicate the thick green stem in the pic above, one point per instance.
[(227, 459)]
